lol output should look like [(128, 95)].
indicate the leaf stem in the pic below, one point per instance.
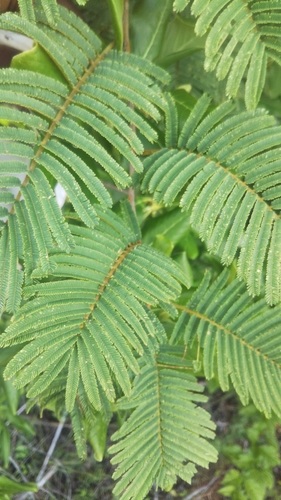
[(127, 48)]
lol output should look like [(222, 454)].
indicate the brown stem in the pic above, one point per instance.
[(126, 33)]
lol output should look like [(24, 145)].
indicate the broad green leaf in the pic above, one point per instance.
[(12, 487), (149, 22), (173, 225), (116, 8), (184, 101), (5, 446), (97, 433), (163, 244), (11, 393), (182, 260), (180, 40), (36, 59)]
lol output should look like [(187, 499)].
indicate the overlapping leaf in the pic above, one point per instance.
[(58, 131), (242, 37), (50, 8), (226, 169), (240, 339), (165, 436), (93, 316)]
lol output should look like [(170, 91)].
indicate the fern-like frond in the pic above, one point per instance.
[(180, 5), (166, 435), (227, 171), (50, 8), (240, 338), (94, 312), (11, 276), (68, 122), (242, 37)]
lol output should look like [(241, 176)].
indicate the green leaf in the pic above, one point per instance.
[(12, 395), (97, 432), (163, 244), (148, 31), (12, 487), (229, 167), (5, 440), (180, 5), (117, 8), (227, 490), (174, 225), (182, 260), (102, 310), (36, 59), (239, 338), (69, 133), (165, 414), (180, 40)]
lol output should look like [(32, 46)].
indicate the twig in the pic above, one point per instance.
[(26, 495), (47, 476), (22, 409), (51, 450), (203, 489), (18, 469), (156, 496), (40, 480), (126, 32)]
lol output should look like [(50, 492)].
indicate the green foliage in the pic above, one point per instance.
[(240, 338), (228, 179), (164, 416), (9, 487), (242, 37), (95, 329), (57, 111), (9, 398), (253, 461)]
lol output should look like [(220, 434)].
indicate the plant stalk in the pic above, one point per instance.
[(127, 48)]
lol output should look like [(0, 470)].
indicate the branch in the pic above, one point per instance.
[(202, 490), (50, 450)]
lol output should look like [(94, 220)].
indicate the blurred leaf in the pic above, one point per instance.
[(273, 78), (9, 486), (188, 243), (36, 59), (5, 447), (116, 8), (174, 225), (180, 5), (197, 365), (21, 424), (97, 436), (12, 395), (182, 260), (185, 102), (232, 475), (255, 488), (7, 353), (163, 244), (227, 490), (149, 21), (180, 40)]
